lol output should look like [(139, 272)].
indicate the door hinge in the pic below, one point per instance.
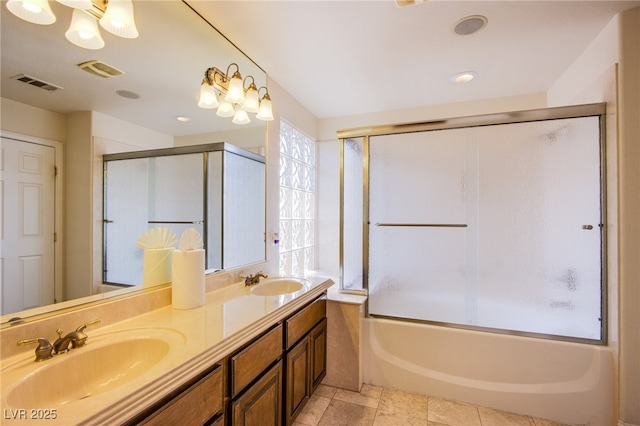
[(55, 171), (55, 237)]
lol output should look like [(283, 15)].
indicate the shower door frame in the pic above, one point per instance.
[(525, 116)]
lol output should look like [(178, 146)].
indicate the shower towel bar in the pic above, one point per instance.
[(434, 225), (195, 222)]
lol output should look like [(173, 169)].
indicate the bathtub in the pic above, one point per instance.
[(566, 382)]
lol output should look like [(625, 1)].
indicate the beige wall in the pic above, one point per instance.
[(31, 121), (629, 213)]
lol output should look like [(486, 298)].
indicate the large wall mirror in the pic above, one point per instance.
[(151, 105)]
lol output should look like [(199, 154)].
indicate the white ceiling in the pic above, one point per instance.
[(335, 57), (164, 65), (350, 57)]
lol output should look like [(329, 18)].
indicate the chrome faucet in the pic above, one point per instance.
[(254, 279)]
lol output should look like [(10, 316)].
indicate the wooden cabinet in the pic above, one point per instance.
[(298, 379), (198, 404), (306, 361), (300, 323), (318, 345), (253, 359), (256, 381), (261, 404), (266, 382)]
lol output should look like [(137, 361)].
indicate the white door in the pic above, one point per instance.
[(27, 194)]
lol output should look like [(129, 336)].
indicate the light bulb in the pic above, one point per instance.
[(225, 109), (251, 102), (118, 19), (265, 113), (241, 117), (208, 96), (34, 11), (84, 31), (235, 94)]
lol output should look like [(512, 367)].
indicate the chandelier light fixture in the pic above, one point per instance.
[(115, 16), (232, 97)]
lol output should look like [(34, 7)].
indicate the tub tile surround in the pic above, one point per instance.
[(344, 340), (230, 318), (378, 406)]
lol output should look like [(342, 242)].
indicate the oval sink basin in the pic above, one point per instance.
[(93, 369), (278, 286)]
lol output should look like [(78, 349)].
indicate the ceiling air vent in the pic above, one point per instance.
[(100, 69), (36, 82)]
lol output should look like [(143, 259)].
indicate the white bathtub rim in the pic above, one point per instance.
[(583, 383)]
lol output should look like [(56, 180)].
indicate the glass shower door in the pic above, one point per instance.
[(497, 227)]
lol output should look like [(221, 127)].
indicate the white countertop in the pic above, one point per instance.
[(230, 318)]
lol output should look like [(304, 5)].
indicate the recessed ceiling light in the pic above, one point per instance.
[(464, 77), (183, 119), (470, 24), (128, 94)]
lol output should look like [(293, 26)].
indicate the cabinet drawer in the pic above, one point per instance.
[(196, 405), (300, 324), (249, 363)]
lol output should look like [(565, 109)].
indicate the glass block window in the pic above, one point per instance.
[(297, 201)]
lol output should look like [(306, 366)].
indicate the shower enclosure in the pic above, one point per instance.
[(492, 222), (217, 189)]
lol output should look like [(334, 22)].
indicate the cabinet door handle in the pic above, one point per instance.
[(587, 227)]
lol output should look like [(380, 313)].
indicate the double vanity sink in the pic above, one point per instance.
[(128, 362)]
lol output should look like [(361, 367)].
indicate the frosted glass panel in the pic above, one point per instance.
[(495, 226), (539, 270), (167, 189), (352, 219), (176, 188), (176, 185), (243, 210), (126, 183), (214, 210)]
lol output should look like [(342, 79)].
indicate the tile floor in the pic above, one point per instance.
[(377, 406)]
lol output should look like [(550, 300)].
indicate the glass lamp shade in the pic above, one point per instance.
[(34, 11), (235, 94), (76, 4), (83, 31), (251, 102), (225, 109), (241, 117), (208, 96), (265, 113), (118, 19)]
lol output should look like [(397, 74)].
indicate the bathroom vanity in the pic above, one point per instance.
[(240, 359)]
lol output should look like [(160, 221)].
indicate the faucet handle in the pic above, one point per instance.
[(81, 338), (90, 323), (44, 349)]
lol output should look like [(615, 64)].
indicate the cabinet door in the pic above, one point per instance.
[(298, 379), (318, 349), (261, 404)]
